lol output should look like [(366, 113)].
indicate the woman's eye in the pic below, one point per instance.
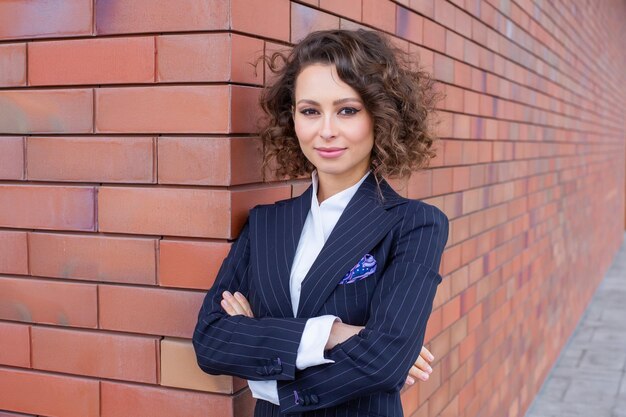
[(348, 111), (308, 112)]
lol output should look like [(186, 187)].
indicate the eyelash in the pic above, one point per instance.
[(352, 111)]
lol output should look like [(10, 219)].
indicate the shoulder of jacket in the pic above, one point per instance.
[(262, 208), (414, 208)]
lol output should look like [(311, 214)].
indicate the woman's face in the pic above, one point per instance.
[(335, 131)]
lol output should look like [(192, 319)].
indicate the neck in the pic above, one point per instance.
[(328, 184)]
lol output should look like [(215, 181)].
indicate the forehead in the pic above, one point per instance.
[(322, 81)]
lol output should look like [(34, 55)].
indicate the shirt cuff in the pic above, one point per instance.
[(265, 390), (314, 338)]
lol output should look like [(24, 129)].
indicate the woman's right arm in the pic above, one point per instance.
[(250, 348)]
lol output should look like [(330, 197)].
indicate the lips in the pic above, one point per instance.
[(330, 152)]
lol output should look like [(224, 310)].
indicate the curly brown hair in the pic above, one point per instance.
[(399, 98)]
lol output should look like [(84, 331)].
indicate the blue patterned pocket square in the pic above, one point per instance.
[(364, 268)]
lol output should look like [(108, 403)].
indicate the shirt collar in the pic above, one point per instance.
[(337, 201)]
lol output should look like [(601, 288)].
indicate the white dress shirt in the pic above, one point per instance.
[(320, 221)]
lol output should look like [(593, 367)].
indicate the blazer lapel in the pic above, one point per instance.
[(282, 229), (363, 223)]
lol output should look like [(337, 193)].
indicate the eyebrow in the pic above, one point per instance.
[(340, 101)]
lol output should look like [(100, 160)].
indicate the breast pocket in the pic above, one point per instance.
[(351, 302)]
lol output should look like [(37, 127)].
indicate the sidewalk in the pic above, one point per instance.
[(589, 378)]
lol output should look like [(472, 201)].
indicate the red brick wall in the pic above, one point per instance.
[(128, 160)]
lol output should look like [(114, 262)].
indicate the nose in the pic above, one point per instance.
[(328, 128)]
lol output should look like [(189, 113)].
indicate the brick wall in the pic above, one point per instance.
[(128, 161)]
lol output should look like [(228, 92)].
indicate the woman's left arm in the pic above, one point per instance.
[(380, 356)]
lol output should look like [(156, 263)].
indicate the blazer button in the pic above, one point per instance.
[(314, 399), (299, 398)]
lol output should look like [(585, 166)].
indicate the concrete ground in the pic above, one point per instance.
[(589, 378)]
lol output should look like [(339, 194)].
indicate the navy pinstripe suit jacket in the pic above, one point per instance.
[(406, 237)]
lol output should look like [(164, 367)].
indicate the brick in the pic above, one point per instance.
[(244, 64), (14, 344), (455, 45), (451, 311), (190, 264), (92, 61), (274, 24), (381, 14), (420, 184), (245, 111), (434, 325), (350, 9), (98, 354), (43, 393), (93, 258), (444, 68), (163, 109), (434, 36), (13, 252), (246, 158), (9, 414), (442, 180), (151, 311), (179, 368), (181, 212), (454, 98), (460, 178), (39, 301), (121, 400), (209, 161), (12, 64), (444, 13), (47, 207), (11, 158), (463, 79), (463, 22), (91, 159), (423, 7), (409, 25), (195, 57), (140, 16), (164, 211), (305, 20), (46, 111), (26, 19)]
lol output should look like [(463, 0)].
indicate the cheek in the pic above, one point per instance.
[(304, 131)]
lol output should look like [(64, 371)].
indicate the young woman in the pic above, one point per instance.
[(323, 300)]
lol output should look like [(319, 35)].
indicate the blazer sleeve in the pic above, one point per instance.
[(380, 356), (250, 348)]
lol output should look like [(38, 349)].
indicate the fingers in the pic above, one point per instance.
[(422, 365), (237, 304), (425, 353), (421, 369), (417, 373)]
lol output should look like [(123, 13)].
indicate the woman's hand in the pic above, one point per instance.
[(236, 304), (421, 368), (340, 332)]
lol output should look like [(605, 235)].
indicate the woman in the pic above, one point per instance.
[(323, 299)]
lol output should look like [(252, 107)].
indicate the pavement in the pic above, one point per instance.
[(589, 377)]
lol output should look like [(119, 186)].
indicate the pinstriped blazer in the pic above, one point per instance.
[(406, 238)]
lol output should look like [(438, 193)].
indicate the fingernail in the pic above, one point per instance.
[(411, 380), (424, 376), (429, 369), (227, 294)]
